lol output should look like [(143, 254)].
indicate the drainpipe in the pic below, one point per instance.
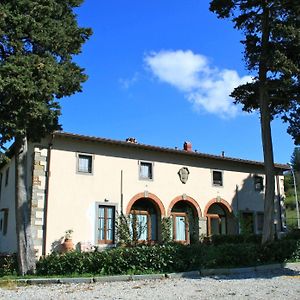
[(237, 208), (121, 192), (279, 215), (47, 194)]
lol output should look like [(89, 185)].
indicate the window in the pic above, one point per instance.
[(247, 223), (146, 170), (180, 227), (144, 221), (260, 221), (84, 163), (217, 178), (258, 183), (106, 224), (6, 176), (3, 220)]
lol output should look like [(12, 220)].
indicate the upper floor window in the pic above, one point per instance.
[(146, 170), (217, 178), (258, 183), (85, 163)]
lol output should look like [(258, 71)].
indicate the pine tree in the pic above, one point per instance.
[(271, 31), (38, 39)]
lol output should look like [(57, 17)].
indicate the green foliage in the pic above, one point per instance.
[(166, 229), (123, 230), (272, 47), (245, 225), (38, 40), (171, 257), (228, 255), (8, 265), (235, 239), (280, 251), (137, 260), (295, 159), (293, 234), (129, 230)]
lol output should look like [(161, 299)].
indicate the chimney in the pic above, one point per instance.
[(187, 146), (131, 140)]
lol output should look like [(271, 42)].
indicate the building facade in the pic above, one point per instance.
[(84, 183)]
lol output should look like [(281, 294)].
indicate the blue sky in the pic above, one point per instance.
[(161, 71)]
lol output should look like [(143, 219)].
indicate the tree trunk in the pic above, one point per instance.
[(265, 122), (26, 254)]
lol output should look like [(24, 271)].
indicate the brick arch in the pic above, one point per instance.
[(188, 199), (218, 201), (152, 197)]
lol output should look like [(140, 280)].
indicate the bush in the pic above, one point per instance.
[(231, 255), (172, 257), (293, 234), (280, 251), (235, 239), (140, 259), (8, 264)]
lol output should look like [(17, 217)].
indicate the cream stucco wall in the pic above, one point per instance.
[(72, 196)]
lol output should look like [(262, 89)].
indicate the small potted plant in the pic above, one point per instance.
[(68, 245)]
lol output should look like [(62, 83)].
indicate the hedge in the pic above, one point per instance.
[(161, 258)]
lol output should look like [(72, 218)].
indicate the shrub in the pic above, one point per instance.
[(293, 234), (172, 257), (8, 264), (280, 251), (235, 239), (230, 255)]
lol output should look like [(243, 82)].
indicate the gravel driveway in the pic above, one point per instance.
[(280, 284)]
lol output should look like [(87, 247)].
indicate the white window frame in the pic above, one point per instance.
[(152, 170), (91, 158), (212, 178)]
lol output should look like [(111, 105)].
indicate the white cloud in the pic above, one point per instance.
[(126, 83), (207, 87)]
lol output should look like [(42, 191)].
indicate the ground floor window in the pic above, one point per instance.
[(247, 222), (216, 220), (184, 222), (3, 220), (106, 224), (144, 220), (259, 221), (180, 227)]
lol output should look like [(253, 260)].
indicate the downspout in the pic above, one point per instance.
[(47, 194), (121, 192), (279, 203), (237, 208)]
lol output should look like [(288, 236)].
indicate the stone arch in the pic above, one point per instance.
[(152, 197), (188, 199), (218, 201)]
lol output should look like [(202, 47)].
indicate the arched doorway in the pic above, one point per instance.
[(218, 213), (185, 215), (145, 217)]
